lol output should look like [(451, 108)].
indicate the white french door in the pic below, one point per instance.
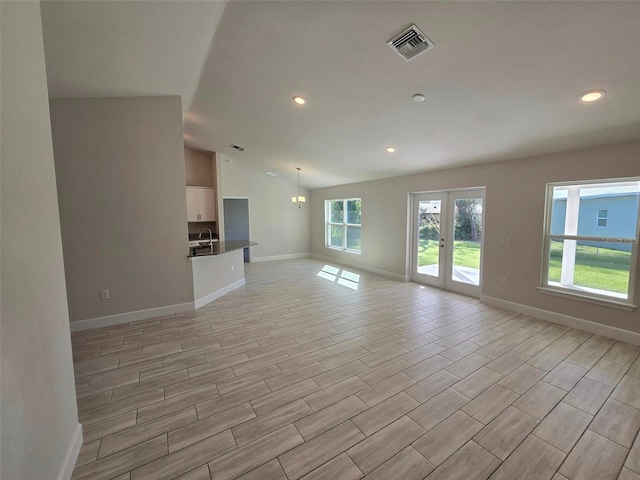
[(447, 237)]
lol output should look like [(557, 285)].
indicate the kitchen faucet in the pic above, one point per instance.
[(210, 235)]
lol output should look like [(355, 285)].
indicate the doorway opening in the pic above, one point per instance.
[(236, 221)]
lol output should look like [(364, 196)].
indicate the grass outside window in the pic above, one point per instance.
[(596, 267)]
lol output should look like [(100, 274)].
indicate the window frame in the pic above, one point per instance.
[(602, 217), (343, 224), (578, 294)]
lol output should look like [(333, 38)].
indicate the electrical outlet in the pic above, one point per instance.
[(505, 241), (104, 295), (233, 267), (504, 281)]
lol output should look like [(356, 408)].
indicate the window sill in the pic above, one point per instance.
[(620, 305), (342, 249)]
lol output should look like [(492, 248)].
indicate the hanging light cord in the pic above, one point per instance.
[(298, 197)]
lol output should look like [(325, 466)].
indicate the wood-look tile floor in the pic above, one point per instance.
[(315, 372)]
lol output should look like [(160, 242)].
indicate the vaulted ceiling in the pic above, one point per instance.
[(502, 81)]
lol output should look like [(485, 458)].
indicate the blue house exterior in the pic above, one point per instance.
[(612, 215)]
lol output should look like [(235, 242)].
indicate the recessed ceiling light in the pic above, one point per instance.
[(299, 100), (271, 174), (390, 149), (418, 97), (592, 95)]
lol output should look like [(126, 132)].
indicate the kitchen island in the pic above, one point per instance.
[(218, 269)]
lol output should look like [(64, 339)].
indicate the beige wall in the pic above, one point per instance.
[(38, 418), (515, 199), (199, 168), (275, 223), (121, 181)]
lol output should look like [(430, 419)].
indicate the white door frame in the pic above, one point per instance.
[(445, 278)]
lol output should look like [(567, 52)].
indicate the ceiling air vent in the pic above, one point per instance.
[(410, 43), (238, 147)]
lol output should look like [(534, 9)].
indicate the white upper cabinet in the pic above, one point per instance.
[(207, 204), (201, 204), (192, 205)]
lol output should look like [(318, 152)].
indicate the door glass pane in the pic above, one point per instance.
[(467, 240), (429, 237)]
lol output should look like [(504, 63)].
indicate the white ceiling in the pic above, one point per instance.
[(127, 48), (502, 81)]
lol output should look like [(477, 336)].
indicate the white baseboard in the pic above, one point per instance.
[(569, 321), (72, 454), (152, 312), (201, 302), (382, 273), (131, 316), (279, 257)]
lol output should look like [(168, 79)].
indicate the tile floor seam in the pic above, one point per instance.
[(584, 411), (142, 464), (619, 444), (578, 441), (320, 465), (599, 409)]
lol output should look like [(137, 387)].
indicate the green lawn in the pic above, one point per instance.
[(601, 268), (465, 254)]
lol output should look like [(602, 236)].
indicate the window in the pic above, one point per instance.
[(580, 257), (602, 218), (342, 218)]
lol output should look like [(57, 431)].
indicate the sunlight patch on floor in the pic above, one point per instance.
[(346, 278)]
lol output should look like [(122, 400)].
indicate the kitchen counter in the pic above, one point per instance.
[(218, 248)]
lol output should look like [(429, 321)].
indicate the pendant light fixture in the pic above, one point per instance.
[(299, 199)]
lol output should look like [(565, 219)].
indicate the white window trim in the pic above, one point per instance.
[(577, 293), (588, 298), (602, 218), (328, 224)]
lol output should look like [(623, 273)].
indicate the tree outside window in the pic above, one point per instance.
[(343, 221)]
